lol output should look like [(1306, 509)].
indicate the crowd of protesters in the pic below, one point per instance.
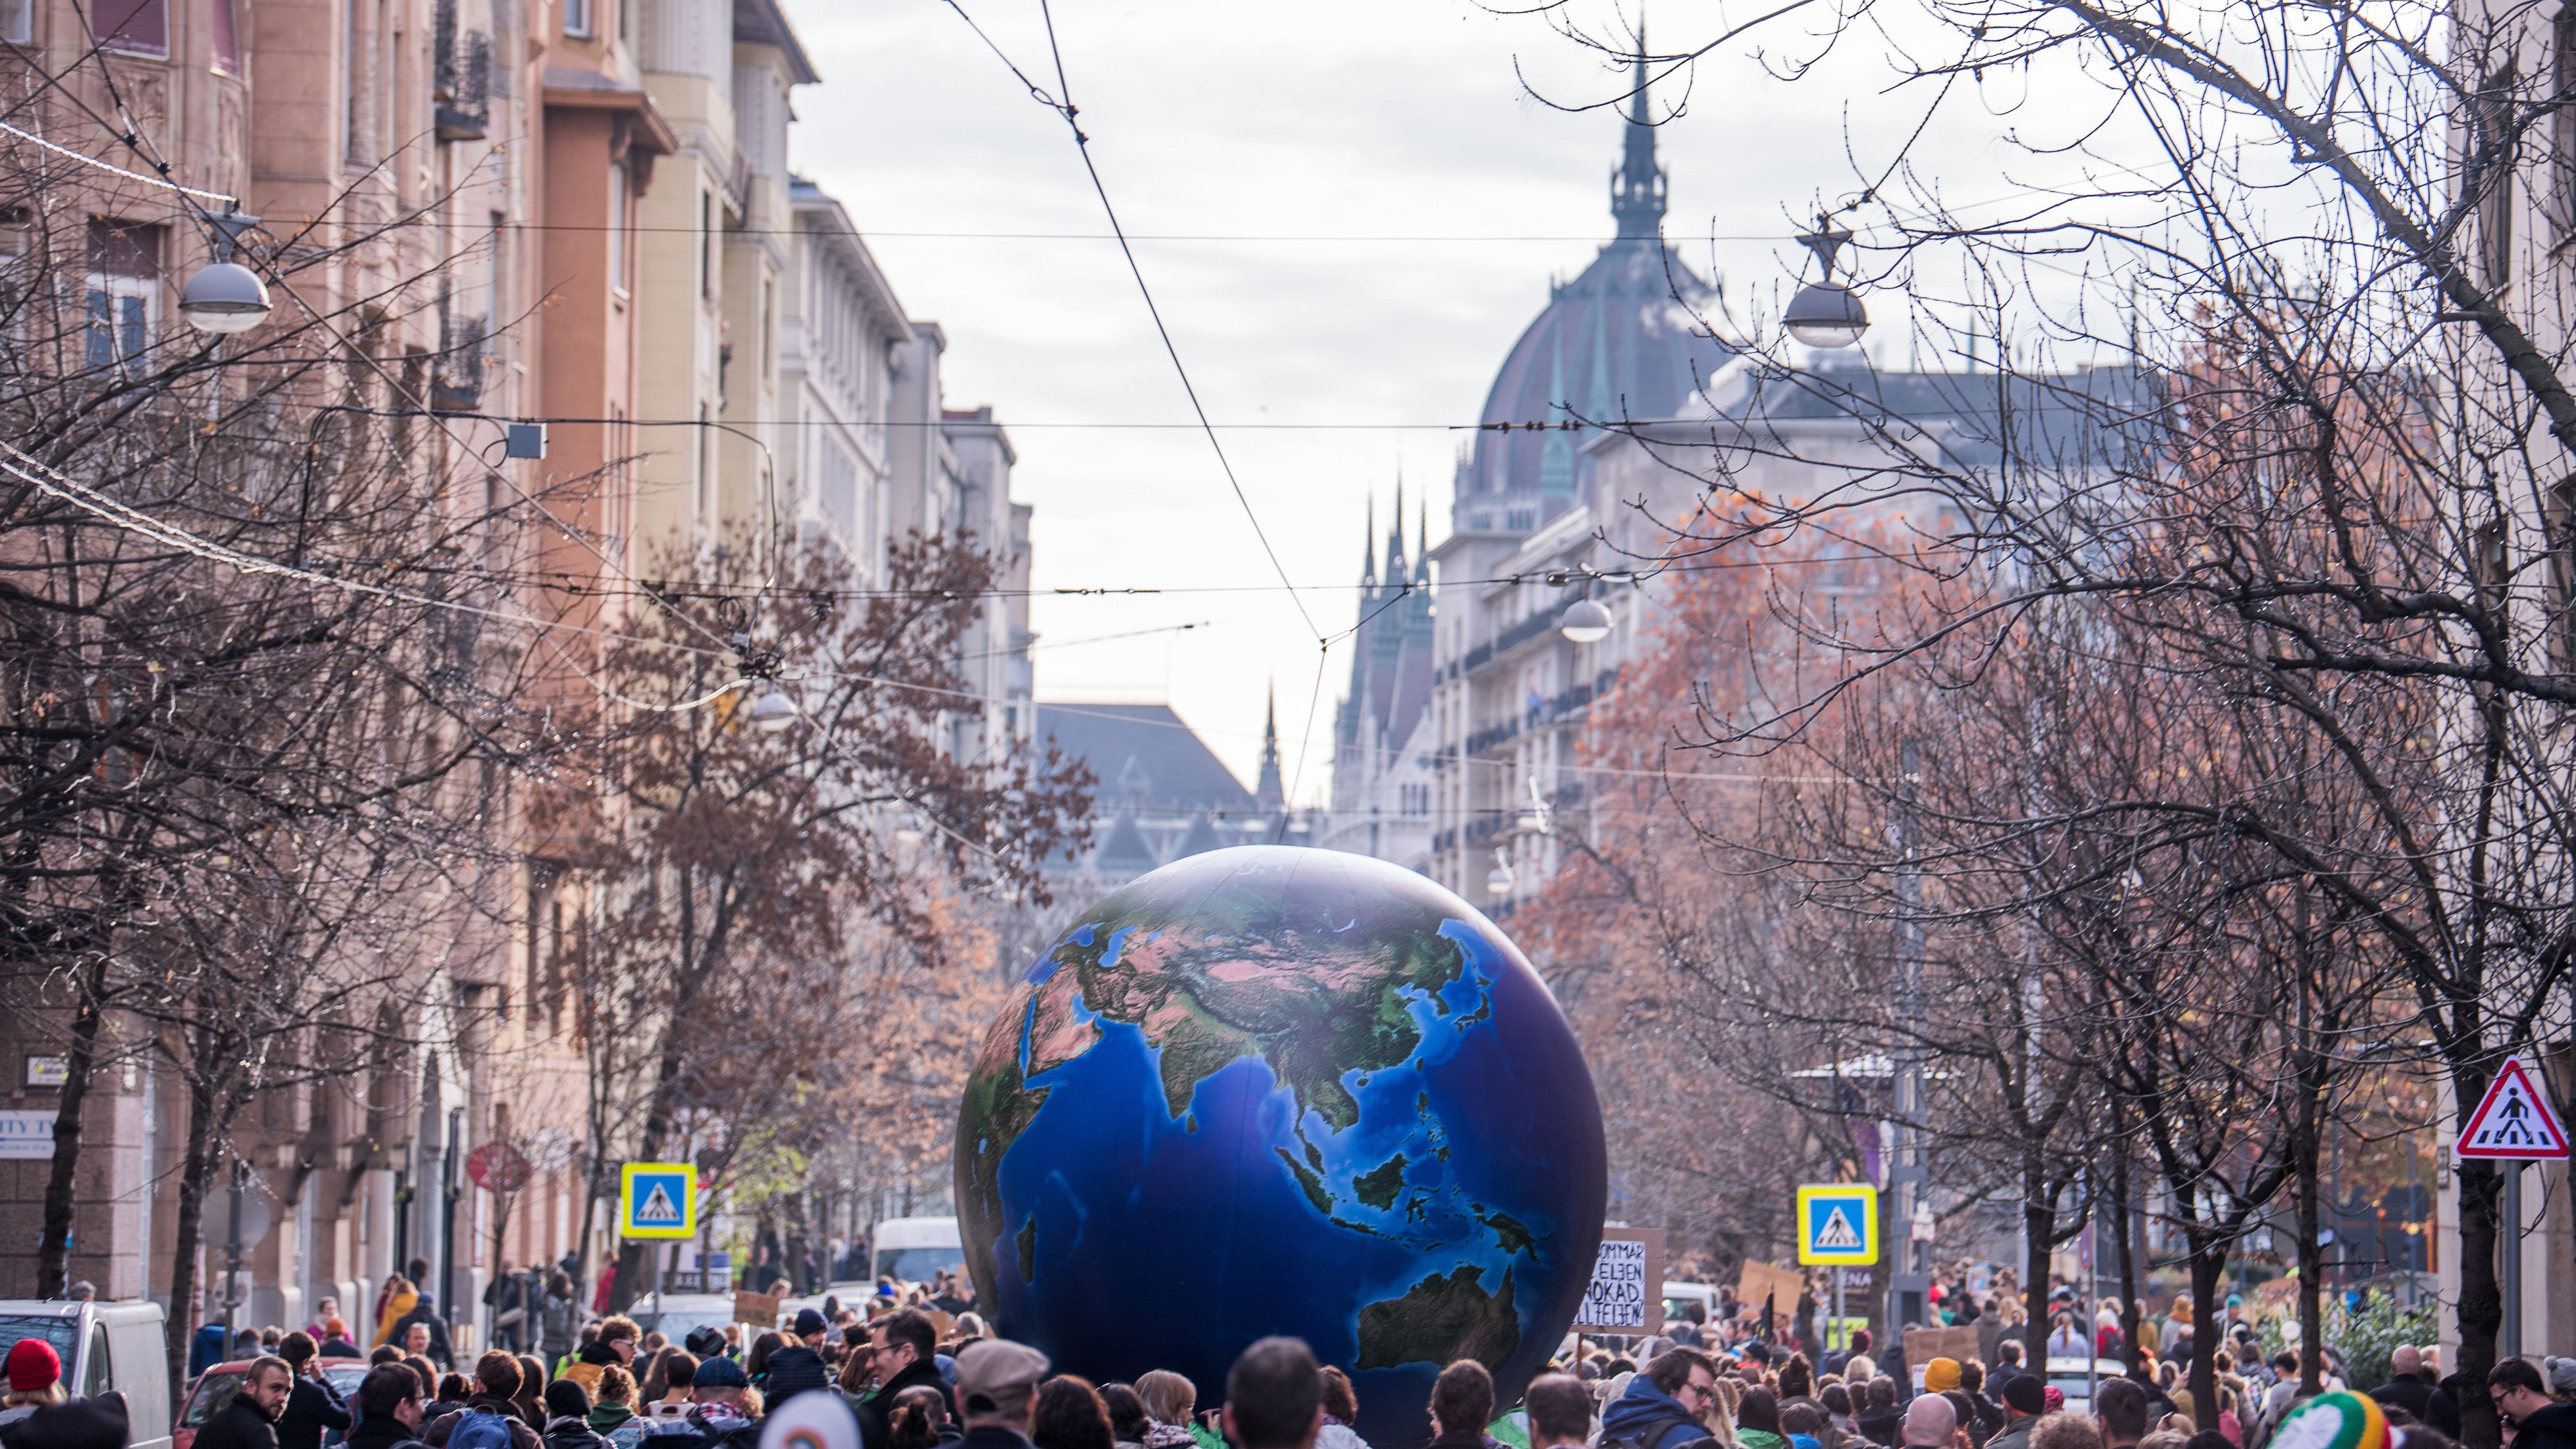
[(914, 1375)]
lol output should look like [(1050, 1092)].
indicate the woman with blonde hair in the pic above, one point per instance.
[(1169, 1400), (35, 1379)]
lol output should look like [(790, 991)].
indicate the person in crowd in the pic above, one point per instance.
[(393, 1303), (1274, 1397), (1127, 1416), (1757, 1421), (531, 1397), (2519, 1393), (312, 1405), (2209, 1439), (1930, 1421), (797, 1366), (387, 1407), (2065, 1431), (997, 1386), (1341, 1411), (2065, 1340), (1170, 1400), (722, 1413), (1667, 1406), (1560, 1412), (1836, 1400), (454, 1392), (1802, 1423), (325, 1309), (919, 1416), (249, 1419), (613, 1417), (558, 1317), (496, 1390), (903, 1352), (1071, 1415), (1982, 1417), (1880, 1421), (568, 1418), (2406, 1388), (35, 1380), (615, 1345), (1462, 1404), (93, 1423), (1797, 1380), (757, 1364), (2025, 1397), (334, 1340), (2121, 1407)]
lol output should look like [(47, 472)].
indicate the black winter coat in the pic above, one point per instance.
[(312, 1407), (238, 1425)]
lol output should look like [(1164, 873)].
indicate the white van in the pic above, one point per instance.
[(911, 1250), (1694, 1301), (103, 1346)]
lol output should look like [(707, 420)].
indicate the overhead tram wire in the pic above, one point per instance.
[(1062, 104)]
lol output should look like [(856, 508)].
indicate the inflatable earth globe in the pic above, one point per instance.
[(1279, 1090)]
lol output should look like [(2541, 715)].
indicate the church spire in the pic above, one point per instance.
[(1270, 795), (1637, 188), (1368, 540), (1422, 541), (1395, 555)]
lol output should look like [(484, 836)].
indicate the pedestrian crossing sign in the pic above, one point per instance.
[(1838, 1223), (658, 1200), (2514, 1121)]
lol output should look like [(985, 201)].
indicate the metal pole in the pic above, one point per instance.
[(2509, 1243), (1907, 1175)]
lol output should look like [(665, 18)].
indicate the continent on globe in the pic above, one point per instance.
[(1277, 1090)]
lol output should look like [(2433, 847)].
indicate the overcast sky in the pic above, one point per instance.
[(1269, 126)]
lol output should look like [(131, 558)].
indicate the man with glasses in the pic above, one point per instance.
[(2518, 1393), (1667, 1406), (902, 1353)]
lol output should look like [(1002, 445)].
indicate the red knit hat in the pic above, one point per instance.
[(33, 1365)]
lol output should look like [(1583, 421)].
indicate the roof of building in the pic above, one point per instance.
[(2065, 420), (1146, 757)]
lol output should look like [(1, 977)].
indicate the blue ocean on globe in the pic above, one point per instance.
[(1280, 1090)]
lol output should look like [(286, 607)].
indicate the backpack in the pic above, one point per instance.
[(1652, 1434), (477, 1429)]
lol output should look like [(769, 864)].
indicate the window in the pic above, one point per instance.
[(706, 471), (123, 294), (353, 109), (18, 21), (226, 25), (617, 227), (139, 26), (707, 244), (577, 19), (769, 329), (2491, 162)]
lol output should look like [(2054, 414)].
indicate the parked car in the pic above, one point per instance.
[(677, 1313), (103, 1346), (2067, 1376), (216, 1386)]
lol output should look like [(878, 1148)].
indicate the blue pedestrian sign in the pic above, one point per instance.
[(1838, 1223), (658, 1200)]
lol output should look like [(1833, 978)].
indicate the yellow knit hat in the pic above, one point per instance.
[(1940, 1375)]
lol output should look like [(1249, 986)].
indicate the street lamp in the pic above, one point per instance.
[(1825, 313), (773, 711), (1498, 881), (1587, 622), (224, 296)]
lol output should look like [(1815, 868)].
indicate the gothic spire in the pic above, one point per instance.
[(1422, 541), (1395, 554), (1637, 187), (1271, 794), (1368, 541)]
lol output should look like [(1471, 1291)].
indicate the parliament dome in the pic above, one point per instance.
[(1624, 339)]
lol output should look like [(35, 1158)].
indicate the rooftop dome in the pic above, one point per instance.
[(1619, 341)]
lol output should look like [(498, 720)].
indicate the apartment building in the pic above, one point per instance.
[(577, 212)]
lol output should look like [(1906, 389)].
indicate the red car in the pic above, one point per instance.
[(216, 1386)]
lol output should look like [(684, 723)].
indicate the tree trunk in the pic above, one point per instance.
[(2129, 1297), (2304, 1153), (53, 1248), (2039, 1225), (2481, 1311), (2208, 1267), (195, 1171)]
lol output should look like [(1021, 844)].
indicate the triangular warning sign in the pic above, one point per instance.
[(1837, 1234), (658, 1211), (2513, 1121)]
